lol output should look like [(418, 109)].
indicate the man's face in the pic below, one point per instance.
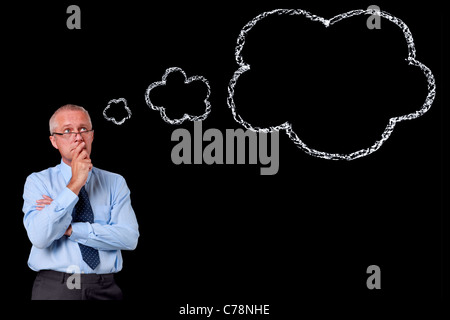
[(71, 121)]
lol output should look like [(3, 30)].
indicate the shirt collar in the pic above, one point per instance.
[(66, 171)]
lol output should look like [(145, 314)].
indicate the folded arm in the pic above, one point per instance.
[(47, 219), (44, 222), (119, 233)]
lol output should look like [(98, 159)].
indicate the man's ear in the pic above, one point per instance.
[(52, 140)]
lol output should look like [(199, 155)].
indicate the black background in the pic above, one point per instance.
[(224, 234)]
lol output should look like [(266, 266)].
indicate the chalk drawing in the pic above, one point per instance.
[(186, 116), (112, 118), (411, 59)]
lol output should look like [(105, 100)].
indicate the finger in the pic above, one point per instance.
[(83, 155), (39, 208), (78, 149), (45, 200), (43, 203)]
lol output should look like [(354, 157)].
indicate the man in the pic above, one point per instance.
[(77, 217)]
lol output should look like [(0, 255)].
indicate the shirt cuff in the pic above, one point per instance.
[(80, 232)]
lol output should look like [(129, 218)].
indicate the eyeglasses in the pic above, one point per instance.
[(71, 135)]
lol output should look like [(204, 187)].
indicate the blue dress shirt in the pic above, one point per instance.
[(115, 226)]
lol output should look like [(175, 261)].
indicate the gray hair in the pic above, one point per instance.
[(52, 123)]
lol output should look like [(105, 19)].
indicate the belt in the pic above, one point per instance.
[(84, 277)]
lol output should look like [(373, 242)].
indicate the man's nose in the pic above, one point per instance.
[(78, 137)]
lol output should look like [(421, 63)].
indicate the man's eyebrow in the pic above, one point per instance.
[(69, 125)]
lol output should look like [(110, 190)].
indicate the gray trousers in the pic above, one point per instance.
[(53, 285)]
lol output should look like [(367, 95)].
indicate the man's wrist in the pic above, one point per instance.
[(74, 187), (68, 231)]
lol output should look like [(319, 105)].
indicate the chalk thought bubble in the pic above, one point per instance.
[(286, 126), (162, 109), (114, 119)]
